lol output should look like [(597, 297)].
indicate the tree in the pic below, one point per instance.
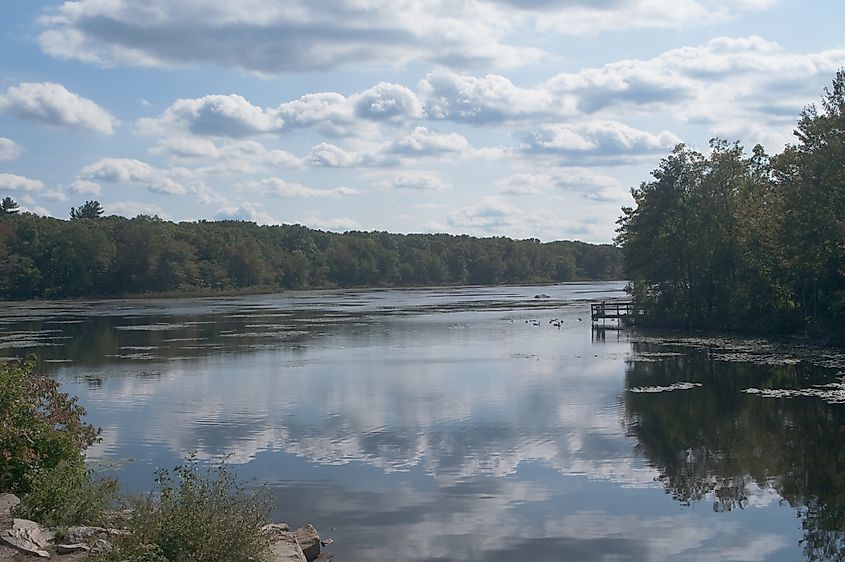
[(9, 206), (89, 210), (41, 426)]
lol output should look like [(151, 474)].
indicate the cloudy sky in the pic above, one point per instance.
[(523, 118)]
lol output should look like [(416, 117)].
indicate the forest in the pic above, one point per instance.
[(92, 255), (729, 240)]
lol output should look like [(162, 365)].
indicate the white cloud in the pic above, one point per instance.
[(489, 99), (247, 212), (330, 112), (9, 149), (387, 102), (298, 35), (55, 195), (14, 182), (421, 142), (417, 180), (737, 86), (127, 170), (599, 139), (85, 187), (133, 209), (52, 104), (331, 156), (341, 224), (186, 148), (214, 115), (492, 216), (581, 18), (568, 180), (282, 188)]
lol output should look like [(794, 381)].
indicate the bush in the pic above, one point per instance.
[(67, 495), (199, 515), (40, 427)]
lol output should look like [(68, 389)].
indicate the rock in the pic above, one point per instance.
[(274, 529), (309, 541), (101, 547), (542, 296), (83, 535), (7, 503), (71, 548), (285, 549), (28, 536), (325, 557), (78, 535)]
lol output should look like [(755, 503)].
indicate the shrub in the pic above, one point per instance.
[(40, 427), (199, 515), (67, 495)]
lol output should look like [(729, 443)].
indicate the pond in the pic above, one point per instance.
[(465, 423)]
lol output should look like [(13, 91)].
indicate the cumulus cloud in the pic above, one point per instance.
[(416, 180), (133, 209), (246, 212), (127, 170), (488, 99), (341, 224), (424, 142), (214, 115), (738, 86), (578, 180), (14, 182), (52, 104), (330, 156), (9, 149), (85, 187), (492, 216), (299, 35), (609, 140), (388, 102), (282, 188)]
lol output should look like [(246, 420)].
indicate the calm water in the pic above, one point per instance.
[(463, 424)]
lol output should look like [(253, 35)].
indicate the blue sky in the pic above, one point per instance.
[(522, 118)]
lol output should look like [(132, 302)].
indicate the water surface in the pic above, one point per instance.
[(465, 424)]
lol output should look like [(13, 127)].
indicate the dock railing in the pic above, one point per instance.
[(623, 311)]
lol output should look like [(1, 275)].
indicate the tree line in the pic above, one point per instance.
[(730, 240), (95, 255)]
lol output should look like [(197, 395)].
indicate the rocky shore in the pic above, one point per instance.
[(22, 540)]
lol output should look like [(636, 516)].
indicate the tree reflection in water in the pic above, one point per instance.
[(713, 442)]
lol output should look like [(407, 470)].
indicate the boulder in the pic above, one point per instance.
[(309, 541), (28, 536), (274, 529), (324, 557), (7, 503), (285, 549), (79, 535), (101, 547)]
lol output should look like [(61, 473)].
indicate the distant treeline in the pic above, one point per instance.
[(736, 241), (91, 255)]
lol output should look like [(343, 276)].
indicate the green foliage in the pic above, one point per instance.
[(9, 206), (40, 427), (67, 495), (726, 240), (113, 256), (88, 210), (199, 515)]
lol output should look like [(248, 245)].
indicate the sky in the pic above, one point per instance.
[(518, 118)]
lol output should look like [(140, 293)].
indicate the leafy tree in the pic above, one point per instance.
[(40, 427), (88, 210), (9, 206)]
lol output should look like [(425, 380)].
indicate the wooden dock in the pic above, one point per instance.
[(622, 311)]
